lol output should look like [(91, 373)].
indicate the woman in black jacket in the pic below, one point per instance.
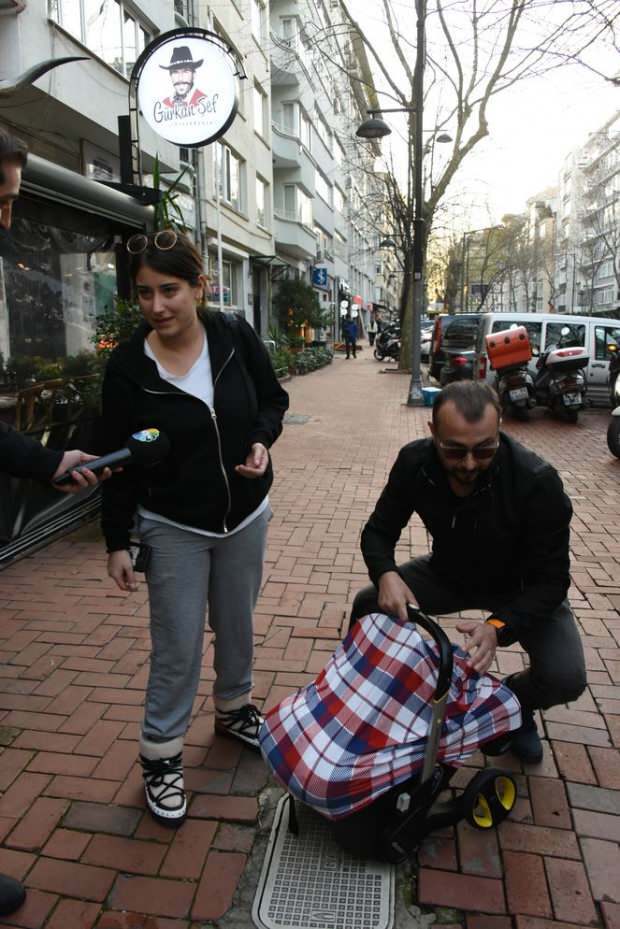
[(205, 380)]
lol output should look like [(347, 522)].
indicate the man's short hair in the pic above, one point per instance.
[(470, 398), (11, 149)]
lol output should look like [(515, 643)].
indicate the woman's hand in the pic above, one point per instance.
[(256, 462), (120, 569)]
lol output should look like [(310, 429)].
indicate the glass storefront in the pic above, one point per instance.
[(57, 276)]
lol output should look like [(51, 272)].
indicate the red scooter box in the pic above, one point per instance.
[(508, 348)]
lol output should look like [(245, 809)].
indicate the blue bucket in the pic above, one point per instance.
[(429, 395)]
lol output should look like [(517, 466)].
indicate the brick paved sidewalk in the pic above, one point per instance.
[(73, 669)]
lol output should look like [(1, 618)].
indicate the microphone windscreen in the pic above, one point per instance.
[(148, 447)]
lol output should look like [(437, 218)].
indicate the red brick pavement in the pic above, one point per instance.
[(73, 664)]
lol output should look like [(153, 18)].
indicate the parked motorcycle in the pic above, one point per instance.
[(560, 383), (613, 431), (509, 352), (387, 343)]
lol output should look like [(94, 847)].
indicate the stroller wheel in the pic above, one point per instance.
[(488, 798)]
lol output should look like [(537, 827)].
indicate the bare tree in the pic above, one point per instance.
[(475, 50)]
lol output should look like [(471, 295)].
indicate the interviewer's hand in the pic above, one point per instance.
[(394, 595), (120, 569), (80, 479), (481, 643), (256, 462)]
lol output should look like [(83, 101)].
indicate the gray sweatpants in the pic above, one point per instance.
[(188, 572)]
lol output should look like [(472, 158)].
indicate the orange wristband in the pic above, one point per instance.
[(496, 622)]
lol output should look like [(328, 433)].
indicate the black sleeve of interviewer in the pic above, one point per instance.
[(392, 512)]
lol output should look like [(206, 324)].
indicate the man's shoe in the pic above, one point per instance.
[(12, 895), (163, 780), (525, 742), (243, 724)]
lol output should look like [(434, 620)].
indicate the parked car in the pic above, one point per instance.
[(452, 334), (593, 333), (426, 340), (613, 431)]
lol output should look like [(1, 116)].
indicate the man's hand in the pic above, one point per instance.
[(481, 643), (256, 462), (80, 479), (394, 595), (120, 569)]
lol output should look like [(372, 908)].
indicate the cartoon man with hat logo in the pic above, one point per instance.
[(182, 69)]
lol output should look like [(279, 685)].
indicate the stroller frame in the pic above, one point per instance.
[(392, 827)]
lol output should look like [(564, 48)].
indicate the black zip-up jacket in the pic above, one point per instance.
[(509, 538), (22, 456), (196, 484)]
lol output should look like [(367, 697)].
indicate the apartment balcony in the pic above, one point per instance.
[(290, 156), (289, 61), (323, 214), (293, 237)]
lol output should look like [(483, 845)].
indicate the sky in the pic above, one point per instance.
[(533, 126)]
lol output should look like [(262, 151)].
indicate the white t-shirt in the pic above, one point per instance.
[(198, 382)]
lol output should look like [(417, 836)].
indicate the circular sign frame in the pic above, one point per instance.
[(181, 111)]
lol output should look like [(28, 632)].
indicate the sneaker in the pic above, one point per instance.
[(243, 724), (12, 895), (163, 782), (525, 742)]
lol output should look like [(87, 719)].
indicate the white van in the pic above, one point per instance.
[(593, 332)]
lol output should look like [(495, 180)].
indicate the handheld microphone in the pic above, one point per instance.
[(145, 448)]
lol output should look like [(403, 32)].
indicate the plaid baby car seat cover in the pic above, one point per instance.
[(360, 728)]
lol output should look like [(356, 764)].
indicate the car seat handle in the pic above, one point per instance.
[(415, 615)]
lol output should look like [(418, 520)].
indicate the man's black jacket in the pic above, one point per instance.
[(22, 456), (509, 538), (196, 484)]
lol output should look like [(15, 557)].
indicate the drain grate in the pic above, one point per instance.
[(308, 882)]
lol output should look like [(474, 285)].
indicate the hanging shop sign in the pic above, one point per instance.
[(187, 86)]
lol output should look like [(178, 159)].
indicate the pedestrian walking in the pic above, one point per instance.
[(372, 330), (499, 520), (349, 331), (206, 381)]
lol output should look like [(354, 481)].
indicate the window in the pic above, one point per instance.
[(297, 205), (260, 111), (575, 336), (261, 201), (257, 15), (338, 200), (323, 188), (339, 153), (305, 130), (289, 118), (230, 282), (106, 27), (230, 171), (604, 336), (323, 130)]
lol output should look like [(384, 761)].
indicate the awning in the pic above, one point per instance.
[(276, 265)]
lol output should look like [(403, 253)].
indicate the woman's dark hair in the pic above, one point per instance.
[(11, 149), (183, 260), (470, 398)]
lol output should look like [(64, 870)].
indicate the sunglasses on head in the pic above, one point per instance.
[(164, 240), (480, 452)]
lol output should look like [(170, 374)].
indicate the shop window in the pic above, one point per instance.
[(107, 27), (57, 276), (231, 271)]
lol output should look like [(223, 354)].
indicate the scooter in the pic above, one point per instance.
[(560, 383), (509, 352), (387, 343), (613, 430)]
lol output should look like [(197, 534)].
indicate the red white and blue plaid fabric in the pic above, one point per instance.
[(360, 728)]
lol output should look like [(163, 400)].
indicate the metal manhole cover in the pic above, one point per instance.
[(308, 882), (295, 419)]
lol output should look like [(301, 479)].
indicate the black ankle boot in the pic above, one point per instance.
[(525, 742), (12, 895)]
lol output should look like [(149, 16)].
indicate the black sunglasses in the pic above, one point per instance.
[(480, 452)]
